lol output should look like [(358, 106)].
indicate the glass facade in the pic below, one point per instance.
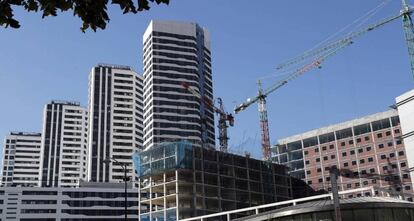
[(164, 157)]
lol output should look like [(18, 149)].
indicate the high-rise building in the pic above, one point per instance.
[(21, 159), (369, 151), (177, 52), (115, 121), (64, 144)]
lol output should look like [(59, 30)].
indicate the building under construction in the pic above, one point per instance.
[(178, 180)]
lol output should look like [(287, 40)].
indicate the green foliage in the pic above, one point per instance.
[(93, 13)]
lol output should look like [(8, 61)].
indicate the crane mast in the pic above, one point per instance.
[(264, 124), (225, 119), (409, 32)]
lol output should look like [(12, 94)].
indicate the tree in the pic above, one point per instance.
[(93, 13)]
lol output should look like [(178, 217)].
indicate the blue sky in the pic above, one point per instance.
[(51, 58)]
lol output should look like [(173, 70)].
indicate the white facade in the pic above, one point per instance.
[(405, 106), (177, 52), (21, 159), (115, 121), (64, 204), (64, 144)]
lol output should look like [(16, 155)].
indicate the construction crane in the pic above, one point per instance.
[(317, 56), (225, 119)]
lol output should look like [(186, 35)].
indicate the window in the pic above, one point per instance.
[(360, 150), (346, 164), (310, 182), (342, 143), (358, 140), (324, 148), (327, 168), (374, 181), (320, 180), (361, 161), (368, 148), (348, 185), (316, 150), (331, 146), (366, 138), (351, 142), (344, 154), (399, 142), (363, 172), (325, 158), (352, 152), (332, 156), (379, 135), (356, 184), (385, 168), (354, 162), (405, 176), (392, 155), (401, 153), (389, 144), (307, 162), (383, 157), (380, 146), (365, 183), (372, 170), (403, 164), (319, 170), (370, 159), (388, 133), (318, 160), (306, 152), (397, 131), (328, 179), (407, 187), (308, 172)]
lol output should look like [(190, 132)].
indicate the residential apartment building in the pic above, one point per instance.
[(64, 144), (21, 159), (369, 151), (115, 121), (177, 52), (95, 202)]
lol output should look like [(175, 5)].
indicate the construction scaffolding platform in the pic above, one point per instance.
[(178, 180)]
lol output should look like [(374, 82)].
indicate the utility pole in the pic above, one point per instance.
[(333, 172), (124, 167)]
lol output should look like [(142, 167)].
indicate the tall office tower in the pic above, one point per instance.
[(176, 52), (64, 144), (369, 151), (115, 122), (21, 159)]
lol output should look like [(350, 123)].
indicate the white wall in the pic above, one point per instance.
[(405, 105)]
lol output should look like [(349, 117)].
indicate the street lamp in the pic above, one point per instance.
[(124, 167)]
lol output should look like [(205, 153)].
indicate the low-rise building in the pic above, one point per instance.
[(100, 201), (369, 151)]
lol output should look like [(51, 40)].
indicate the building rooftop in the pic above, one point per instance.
[(72, 103), (339, 126), (19, 133), (115, 66), (327, 205)]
